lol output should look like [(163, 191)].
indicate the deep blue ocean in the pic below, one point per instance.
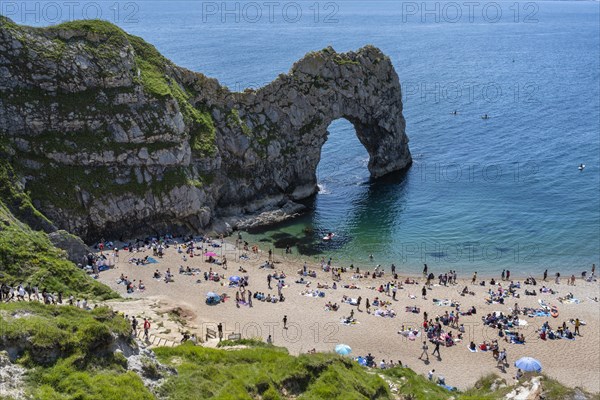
[(481, 195)]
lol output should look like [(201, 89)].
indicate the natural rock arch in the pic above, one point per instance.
[(112, 139), (297, 108)]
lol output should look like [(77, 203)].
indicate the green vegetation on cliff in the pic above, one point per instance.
[(108, 48), (267, 373), (68, 351), (69, 354), (27, 255), (153, 73)]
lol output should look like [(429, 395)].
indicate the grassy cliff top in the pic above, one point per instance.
[(27, 255), (67, 353)]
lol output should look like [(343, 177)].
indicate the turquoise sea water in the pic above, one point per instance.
[(482, 194)]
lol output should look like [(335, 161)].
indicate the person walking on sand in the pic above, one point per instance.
[(577, 325), (545, 274), (430, 374), (358, 303), (269, 277), (474, 278), (437, 349), (508, 275), (424, 352), (557, 279), (593, 269), (368, 306), (503, 274), (424, 270), (502, 359), (285, 322), (424, 292)]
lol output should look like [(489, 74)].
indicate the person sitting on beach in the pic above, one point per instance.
[(519, 374), (156, 274), (141, 286), (472, 346)]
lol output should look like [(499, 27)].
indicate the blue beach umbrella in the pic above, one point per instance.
[(213, 295), (343, 349), (528, 364), (234, 278), (362, 361)]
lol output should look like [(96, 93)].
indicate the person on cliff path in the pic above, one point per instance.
[(134, 325), (146, 328), (220, 330)]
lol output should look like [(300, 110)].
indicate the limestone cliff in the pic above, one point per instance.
[(111, 137)]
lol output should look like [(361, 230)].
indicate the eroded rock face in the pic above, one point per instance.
[(110, 137), (75, 247)]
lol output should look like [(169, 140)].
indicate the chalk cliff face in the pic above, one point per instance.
[(110, 137)]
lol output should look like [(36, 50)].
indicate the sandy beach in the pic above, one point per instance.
[(311, 326)]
